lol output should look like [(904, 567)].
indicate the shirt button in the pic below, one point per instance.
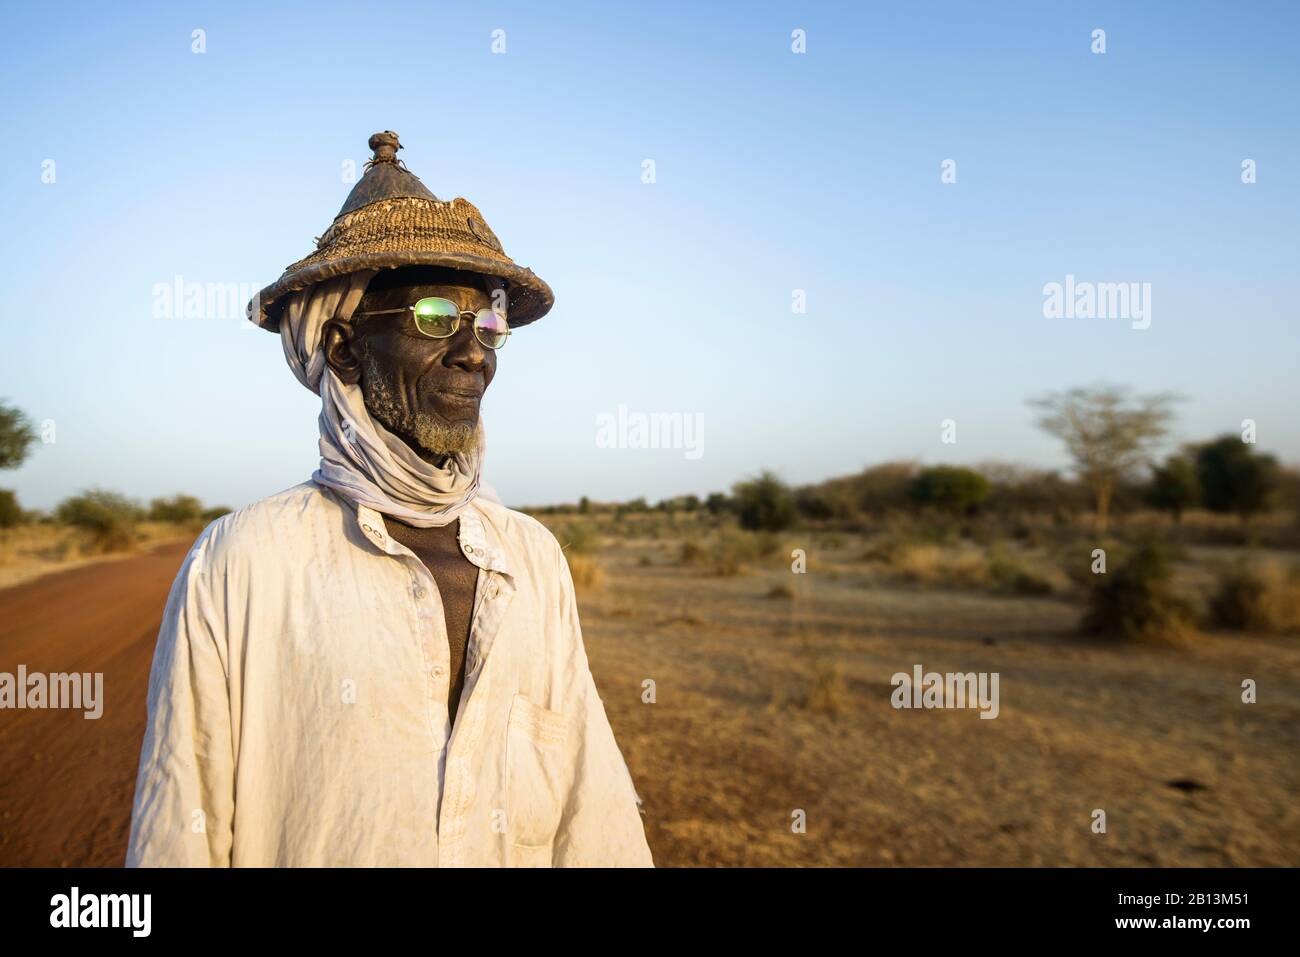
[(420, 592), (469, 549), (436, 671)]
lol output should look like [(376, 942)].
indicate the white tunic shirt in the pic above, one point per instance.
[(297, 710)]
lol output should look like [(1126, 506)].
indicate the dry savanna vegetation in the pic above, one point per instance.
[(92, 526), (1150, 671), (1140, 615)]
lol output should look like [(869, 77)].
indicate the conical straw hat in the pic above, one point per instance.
[(391, 219)]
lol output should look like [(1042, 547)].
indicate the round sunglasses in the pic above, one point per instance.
[(439, 318)]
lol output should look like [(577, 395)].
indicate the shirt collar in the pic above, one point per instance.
[(477, 542)]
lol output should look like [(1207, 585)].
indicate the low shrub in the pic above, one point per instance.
[(730, 551), (1136, 601), (692, 552), (951, 489), (11, 513), (181, 509), (1008, 576), (1257, 596), (109, 518), (578, 538), (764, 504)]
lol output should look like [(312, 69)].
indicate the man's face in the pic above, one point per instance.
[(426, 391)]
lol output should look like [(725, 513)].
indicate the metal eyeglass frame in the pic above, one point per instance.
[(455, 324)]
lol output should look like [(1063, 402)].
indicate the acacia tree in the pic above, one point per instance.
[(1108, 432), (1174, 486), (1236, 478), (16, 437)]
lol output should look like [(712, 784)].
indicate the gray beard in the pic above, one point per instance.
[(430, 433)]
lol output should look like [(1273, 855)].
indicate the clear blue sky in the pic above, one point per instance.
[(775, 172)]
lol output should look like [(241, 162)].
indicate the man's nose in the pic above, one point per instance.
[(465, 350)]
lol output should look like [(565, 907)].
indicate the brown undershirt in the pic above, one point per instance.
[(456, 577)]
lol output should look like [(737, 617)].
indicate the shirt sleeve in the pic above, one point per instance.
[(601, 822), (184, 793)]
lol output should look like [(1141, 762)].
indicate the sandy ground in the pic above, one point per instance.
[(1156, 737), (66, 783), (769, 706)]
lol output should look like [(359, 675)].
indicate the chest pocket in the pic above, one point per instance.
[(538, 776)]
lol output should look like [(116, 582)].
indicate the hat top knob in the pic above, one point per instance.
[(385, 146)]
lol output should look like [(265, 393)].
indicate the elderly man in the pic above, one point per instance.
[(384, 665)]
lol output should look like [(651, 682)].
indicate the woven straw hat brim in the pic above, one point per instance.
[(408, 231), (530, 297)]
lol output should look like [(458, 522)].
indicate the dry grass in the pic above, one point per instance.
[(586, 571), (1001, 567), (960, 566), (769, 705), (730, 552), (1262, 596), (1277, 529), (30, 551)]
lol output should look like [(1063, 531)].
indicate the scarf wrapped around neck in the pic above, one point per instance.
[(359, 458)]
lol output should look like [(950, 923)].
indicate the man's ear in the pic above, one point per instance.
[(338, 340)]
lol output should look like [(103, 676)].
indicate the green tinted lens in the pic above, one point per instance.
[(436, 317), (491, 328)]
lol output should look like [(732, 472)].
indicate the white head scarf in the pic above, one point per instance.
[(360, 459)]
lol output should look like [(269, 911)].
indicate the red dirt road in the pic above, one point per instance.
[(66, 783)]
